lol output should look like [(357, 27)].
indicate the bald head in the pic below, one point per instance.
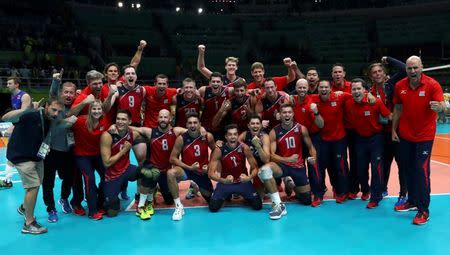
[(414, 59), (414, 69), (301, 87), (164, 119)]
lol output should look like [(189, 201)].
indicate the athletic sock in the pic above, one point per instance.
[(9, 172), (150, 197), (275, 197), (178, 202), (142, 200)]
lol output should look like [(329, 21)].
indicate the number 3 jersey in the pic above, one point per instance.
[(195, 150), (161, 145), (289, 142), (233, 161), (132, 100)]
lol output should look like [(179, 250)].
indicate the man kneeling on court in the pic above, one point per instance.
[(228, 169), (286, 155), (193, 148), (115, 152)]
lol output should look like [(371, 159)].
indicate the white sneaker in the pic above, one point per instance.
[(178, 214)]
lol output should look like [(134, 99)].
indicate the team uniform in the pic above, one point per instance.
[(227, 82), (347, 87), (269, 109), (196, 150), (280, 82), (211, 105), (16, 100), (417, 129), (305, 117), (87, 158), (248, 141), (155, 103), (333, 149), (184, 108), (386, 95), (289, 142), (132, 100), (116, 176), (108, 116), (239, 113), (161, 145), (233, 163), (369, 144)]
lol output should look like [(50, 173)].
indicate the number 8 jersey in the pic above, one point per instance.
[(289, 142)]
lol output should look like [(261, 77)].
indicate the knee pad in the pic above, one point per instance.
[(255, 203), (265, 173), (215, 205), (112, 208), (304, 198), (150, 173)]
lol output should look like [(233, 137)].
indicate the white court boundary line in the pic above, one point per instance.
[(443, 138), (266, 203), (440, 163)]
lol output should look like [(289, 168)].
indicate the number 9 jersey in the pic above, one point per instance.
[(132, 100)]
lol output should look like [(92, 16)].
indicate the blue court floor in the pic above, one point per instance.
[(347, 228)]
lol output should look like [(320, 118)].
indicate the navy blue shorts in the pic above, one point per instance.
[(112, 188), (298, 175), (245, 189), (202, 180)]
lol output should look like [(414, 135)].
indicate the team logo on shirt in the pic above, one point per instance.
[(303, 110), (102, 128), (403, 92), (240, 150), (333, 104), (166, 101), (366, 113), (296, 130), (422, 93)]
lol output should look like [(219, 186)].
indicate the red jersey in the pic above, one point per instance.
[(239, 112), (109, 116), (195, 150), (417, 120), (280, 82), (212, 104), (289, 142), (386, 100), (347, 87), (155, 103), (116, 170), (332, 112), (271, 108), (87, 143), (364, 116), (184, 108), (161, 145), (132, 100), (233, 162), (304, 115)]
